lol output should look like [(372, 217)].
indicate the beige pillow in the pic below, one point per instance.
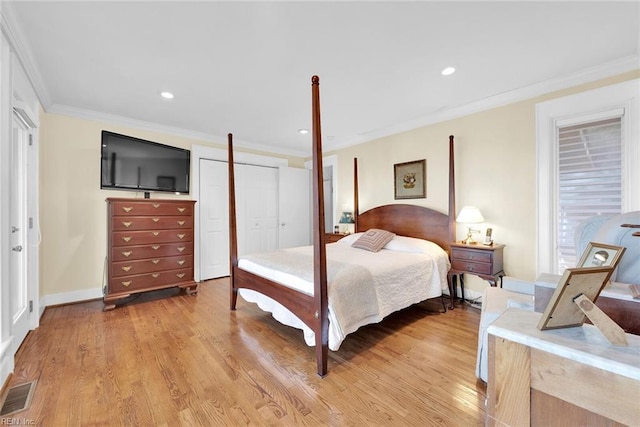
[(373, 240)]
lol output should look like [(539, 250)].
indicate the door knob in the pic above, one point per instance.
[(17, 248), (14, 229)]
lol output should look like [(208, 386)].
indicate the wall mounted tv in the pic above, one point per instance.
[(134, 164)]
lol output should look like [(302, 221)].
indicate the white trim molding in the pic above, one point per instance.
[(69, 297), (582, 107)]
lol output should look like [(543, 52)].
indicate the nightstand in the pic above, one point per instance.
[(482, 261), (333, 237)]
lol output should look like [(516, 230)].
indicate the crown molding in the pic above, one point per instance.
[(592, 74), (14, 35), (113, 119)]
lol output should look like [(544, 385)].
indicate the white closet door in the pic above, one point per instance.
[(214, 220), (265, 198), (295, 207), (257, 208)]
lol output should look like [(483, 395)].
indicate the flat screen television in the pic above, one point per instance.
[(129, 163)]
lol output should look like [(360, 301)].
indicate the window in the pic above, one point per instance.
[(587, 159), (589, 179)]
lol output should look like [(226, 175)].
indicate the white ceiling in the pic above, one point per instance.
[(246, 67)]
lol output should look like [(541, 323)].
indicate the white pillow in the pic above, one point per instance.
[(412, 244), (350, 238)]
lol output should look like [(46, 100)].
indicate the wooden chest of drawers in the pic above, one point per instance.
[(150, 247)]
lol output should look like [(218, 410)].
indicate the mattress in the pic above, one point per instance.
[(363, 287)]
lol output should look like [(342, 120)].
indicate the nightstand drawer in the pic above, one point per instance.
[(333, 237), (470, 255), (471, 267)]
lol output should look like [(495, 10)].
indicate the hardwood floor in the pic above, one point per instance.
[(168, 359)]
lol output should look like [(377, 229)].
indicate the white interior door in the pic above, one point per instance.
[(214, 219), (19, 290), (257, 208), (295, 207)]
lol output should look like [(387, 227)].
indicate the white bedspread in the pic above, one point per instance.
[(364, 287)]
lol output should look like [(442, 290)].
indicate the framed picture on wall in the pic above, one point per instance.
[(410, 180)]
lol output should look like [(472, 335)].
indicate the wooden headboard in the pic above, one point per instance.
[(411, 220)]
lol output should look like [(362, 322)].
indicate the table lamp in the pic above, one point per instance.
[(470, 215)]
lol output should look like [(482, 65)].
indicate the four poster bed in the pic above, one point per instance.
[(331, 290)]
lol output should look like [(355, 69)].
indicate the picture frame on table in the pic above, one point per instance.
[(562, 312), (600, 255), (410, 180), (592, 274)]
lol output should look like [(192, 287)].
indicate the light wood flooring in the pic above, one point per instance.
[(168, 359)]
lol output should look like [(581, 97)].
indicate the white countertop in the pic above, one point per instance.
[(584, 344)]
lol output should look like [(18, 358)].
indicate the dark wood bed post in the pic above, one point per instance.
[(356, 202), (233, 230), (320, 294), (452, 193)]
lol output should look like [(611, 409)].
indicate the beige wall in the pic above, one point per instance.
[(495, 161), (72, 205), (495, 170)]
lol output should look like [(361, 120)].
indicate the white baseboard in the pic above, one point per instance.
[(69, 297), (6, 361), (469, 294)]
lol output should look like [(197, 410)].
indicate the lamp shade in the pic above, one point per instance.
[(470, 215), (346, 218)]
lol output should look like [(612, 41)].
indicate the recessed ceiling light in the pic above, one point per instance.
[(166, 95), (303, 131), (448, 71)]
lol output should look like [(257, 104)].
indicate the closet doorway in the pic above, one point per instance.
[(272, 203)]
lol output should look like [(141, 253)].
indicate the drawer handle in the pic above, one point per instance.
[(181, 222), (155, 219), (181, 236), (181, 210), (155, 233), (469, 267), (181, 249), (127, 209), (155, 247), (180, 262), (127, 238), (126, 284), (126, 268), (155, 275), (180, 275), (127, 253), (156, 205), (155, 261), (127, 224)]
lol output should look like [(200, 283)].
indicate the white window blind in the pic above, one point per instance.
[(589, 178)]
